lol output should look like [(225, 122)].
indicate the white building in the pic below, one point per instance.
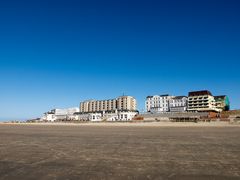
[(50, 117), (158, 103), (110, 116), (126, 115), (107, 116), (178, 104), (60, 114), (120, 115), (94, 117)]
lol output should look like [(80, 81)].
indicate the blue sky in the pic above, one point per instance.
[(54, 54)]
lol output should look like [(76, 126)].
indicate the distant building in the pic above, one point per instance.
[(201, 101), (117, 115), (121, 103), (197, 101), (97, 106), (111, 116), (49, 117), (94, 117), (178, 104), (222, 103), (126, 103), (158, 103), (60, 114), (122, 108)]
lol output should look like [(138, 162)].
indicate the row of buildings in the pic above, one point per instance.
[(196, 101), (124, 108), (60, 114)]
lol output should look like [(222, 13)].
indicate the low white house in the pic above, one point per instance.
[(107, 116), (127, 115), (120, 115), (94, 117), (73, 117), (50, 117), (110, 116)]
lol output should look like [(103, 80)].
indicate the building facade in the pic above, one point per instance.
[(121, 103), (222, 103), (94, 117), (60, 114), (201, 101), (117, 115), (126, 103), (123, 108), (158, 103), (120, 115), (178, 104)]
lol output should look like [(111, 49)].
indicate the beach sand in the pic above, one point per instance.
[(120, 151)]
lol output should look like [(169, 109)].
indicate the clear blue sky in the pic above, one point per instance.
[(54, 54)]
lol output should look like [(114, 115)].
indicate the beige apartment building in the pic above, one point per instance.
[(127, 103), (201, 101)]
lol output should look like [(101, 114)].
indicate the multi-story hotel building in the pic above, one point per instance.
[(201, 101), (97, 106), (222, 102), (126, 103), (158, 103), (123, 108), (178, 104)]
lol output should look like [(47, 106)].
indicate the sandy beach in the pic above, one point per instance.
[(132, 124), (119, 151)]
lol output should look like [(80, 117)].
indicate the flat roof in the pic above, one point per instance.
[(199, 93)]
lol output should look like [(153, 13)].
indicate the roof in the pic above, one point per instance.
[(179, 97), (149, 97), (220, 97), (200, 93), (164, 95)]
